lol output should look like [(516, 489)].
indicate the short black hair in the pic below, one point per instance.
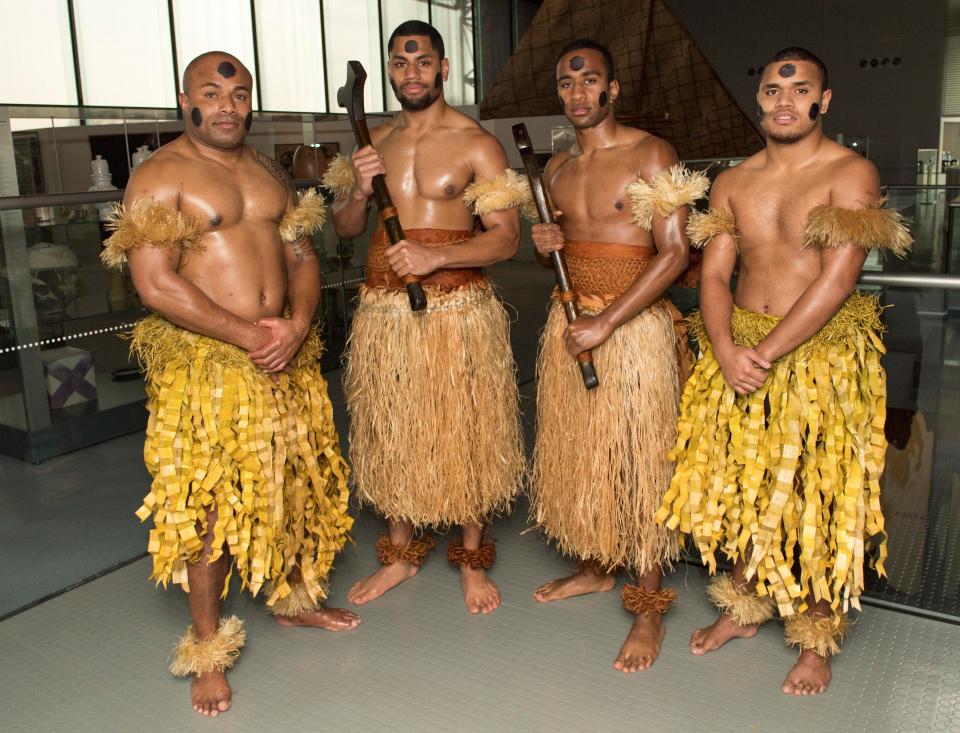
[(796, 53), (418, 28), (579, 43)]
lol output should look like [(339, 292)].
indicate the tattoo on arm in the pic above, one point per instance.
[(303, 249), (276, 170)]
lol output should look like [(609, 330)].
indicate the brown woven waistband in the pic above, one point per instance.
[(600, 272), (380, 275)]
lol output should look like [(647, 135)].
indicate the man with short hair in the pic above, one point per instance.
[(240, 442), (434, 433), (781, 442), (600, 463)]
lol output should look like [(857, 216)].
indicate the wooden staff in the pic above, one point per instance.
[(350, 97), (567, 295)]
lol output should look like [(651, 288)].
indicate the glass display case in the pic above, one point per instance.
[(66, 380)]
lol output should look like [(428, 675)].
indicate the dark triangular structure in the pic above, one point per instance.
[(666, 84)]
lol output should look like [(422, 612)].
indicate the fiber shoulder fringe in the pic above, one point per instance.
[(703, 226), (222, 436), (870, 228), (508, 190), (338, 177), (145, 222), (434, 426), (307, 217), (792, 469), (600, 463), (665, 193)]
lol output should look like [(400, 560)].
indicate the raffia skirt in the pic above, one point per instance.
[(787, 478), (600, 465), (435, 434), (222, 436)]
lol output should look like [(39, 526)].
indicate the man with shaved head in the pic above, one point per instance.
[(247, 472), (781, 440)]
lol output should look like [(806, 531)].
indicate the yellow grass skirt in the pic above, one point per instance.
[(600, 465), (434, 423), (222, 436), (793, 469)]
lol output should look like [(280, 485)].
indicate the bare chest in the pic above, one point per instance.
[(594, 189), (432, 165), (222, 200), (774, 211)]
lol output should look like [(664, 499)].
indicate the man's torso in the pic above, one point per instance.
[(428, 169), (771, 211), (241, 265)]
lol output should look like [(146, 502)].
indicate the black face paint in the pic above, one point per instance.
[(603, 99), (576, 63), (411, 46), (759, 112), (195, 117), (438, 80), (226, 69), (787, 70), (563, 107), (248, 120), (814, 110)]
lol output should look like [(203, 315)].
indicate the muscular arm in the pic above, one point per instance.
[(350, 209), (549, 236), (672, 256), (162, 289), (501, 237), (840, 266), (719, 260)]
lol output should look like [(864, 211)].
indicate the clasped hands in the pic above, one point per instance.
[(744, 369), (282, 340)]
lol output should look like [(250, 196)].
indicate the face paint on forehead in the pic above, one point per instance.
[(226, 69), (814, 110), (787, 70), (195, 117), (603, 99), (577, 62), (411, 46), (248, 120)]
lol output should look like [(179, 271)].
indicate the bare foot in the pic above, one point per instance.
[(375, 585), (719, 633), (210, 694), (331, 619), (479, 592), (580, 583), (642, 646), (810, 675)]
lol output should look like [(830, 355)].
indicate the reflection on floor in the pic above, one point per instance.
[(93, 658)]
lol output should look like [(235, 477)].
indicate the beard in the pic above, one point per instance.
[(415, 105), (786, 137)]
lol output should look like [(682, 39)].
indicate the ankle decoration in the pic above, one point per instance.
[(193, 656), (744, 607), (412, 553), (640, 601), (296, 603), (821, 635), (481, 558)]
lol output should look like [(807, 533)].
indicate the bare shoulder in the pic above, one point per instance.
[(652, 154), (852, 177), (160, 177), (277, 171), (556, 162), (378, 133)]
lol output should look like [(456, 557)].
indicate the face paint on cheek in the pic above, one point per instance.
[(759, 112), (787, 70), (563, 107), (195, 117), (248, 120), (814, 110), (411, 46), (603, 99), (438, 80), (576, 63)]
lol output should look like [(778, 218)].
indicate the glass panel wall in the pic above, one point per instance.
[(454, 20), (36, 53), (225, 25), (290, 51), (352, 33), (395, 13), (132, 65)]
